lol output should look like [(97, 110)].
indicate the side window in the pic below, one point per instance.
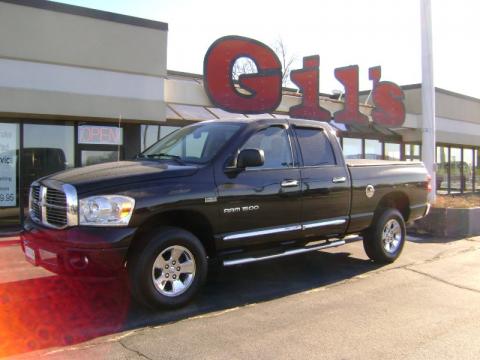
[(315, 146), (276, 146)]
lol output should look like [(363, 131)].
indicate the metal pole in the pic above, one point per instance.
[(428, 96)]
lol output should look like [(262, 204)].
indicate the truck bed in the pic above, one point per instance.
[(404, 178)]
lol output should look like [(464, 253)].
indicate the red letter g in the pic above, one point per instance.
[(265, 87)]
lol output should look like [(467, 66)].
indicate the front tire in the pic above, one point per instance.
[(384, 240), (169, 270)]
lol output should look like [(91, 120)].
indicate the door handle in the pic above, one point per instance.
[(289, 183), (339, 179)]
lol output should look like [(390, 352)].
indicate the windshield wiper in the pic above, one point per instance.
[(177, 158)]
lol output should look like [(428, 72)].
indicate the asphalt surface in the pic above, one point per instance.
[(333, 304)]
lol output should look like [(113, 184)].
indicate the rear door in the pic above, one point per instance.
[(261, 204), (325, 182)]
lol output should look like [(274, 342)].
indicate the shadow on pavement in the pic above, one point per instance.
[(54, 311), (430, 239)]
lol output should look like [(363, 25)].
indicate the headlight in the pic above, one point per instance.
[(106, 210)]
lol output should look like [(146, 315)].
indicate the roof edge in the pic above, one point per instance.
[(437, 89), (453, 93), (91, 13)]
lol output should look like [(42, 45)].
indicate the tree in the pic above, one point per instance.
[(245, 65), (286, 60)]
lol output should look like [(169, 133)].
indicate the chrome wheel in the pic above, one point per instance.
[(173, 271), (392, 236)]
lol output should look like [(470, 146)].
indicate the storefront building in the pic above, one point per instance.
[(81, 86)]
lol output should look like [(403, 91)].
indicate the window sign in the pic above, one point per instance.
[(100, 135), (8, 165)]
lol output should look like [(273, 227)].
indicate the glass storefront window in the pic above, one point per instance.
[(373, 149), (46, 149), (148, 135), (352, 148), (442, 169), (412, 152), (392, 151), (468, 169), (165, 130), (9, 180), (457, 179)]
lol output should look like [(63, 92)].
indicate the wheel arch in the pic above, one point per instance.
[(190, 220), (396, 200)]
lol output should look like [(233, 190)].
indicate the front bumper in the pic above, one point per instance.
[(92, 252)]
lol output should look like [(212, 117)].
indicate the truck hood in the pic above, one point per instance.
[(114, 174)]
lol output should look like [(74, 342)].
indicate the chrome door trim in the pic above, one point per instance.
[(284, 228), (269, 231), (315, 224)]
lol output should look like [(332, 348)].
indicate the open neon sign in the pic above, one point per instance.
[(265, 87)]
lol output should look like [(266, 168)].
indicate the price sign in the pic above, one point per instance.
[(8, 165)]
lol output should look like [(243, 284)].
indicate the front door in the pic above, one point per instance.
[(262, 204)]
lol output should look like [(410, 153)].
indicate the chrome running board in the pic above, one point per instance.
[(285, 253)]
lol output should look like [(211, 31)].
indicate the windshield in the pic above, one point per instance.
[(195, 143)]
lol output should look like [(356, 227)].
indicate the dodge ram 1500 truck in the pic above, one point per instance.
[(222, 192)]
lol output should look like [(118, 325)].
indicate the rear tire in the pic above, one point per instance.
[(169, 270), (384, 240)]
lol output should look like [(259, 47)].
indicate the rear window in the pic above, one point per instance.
[(315, 147)]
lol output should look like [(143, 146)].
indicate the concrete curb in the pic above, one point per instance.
[(450, 222), (9, 241)]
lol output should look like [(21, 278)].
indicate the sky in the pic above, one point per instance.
[(343, 32)]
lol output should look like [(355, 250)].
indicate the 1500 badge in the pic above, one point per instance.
[(241, 209)]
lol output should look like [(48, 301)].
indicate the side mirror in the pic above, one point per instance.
[(250, 158)]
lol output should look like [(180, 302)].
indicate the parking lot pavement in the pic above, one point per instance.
[(333, 304)]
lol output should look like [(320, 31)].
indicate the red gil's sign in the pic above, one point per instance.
[(265, 86)]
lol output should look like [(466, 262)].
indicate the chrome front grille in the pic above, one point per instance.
[(35, 211), (53, 207), (56, 207), (56, 198)]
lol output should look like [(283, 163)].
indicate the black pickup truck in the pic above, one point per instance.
[(219, 192)]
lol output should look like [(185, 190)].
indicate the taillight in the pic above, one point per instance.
[(429, 183)]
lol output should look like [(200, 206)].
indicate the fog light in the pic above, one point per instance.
[(78, 262)]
